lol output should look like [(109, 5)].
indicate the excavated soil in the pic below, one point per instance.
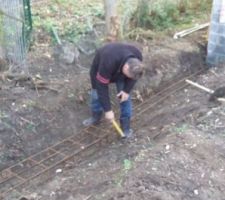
[(178, 151)]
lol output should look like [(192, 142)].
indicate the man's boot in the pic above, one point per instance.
[(125, 125), (94, 120)]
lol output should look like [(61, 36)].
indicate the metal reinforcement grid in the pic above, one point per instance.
[(16, 177)]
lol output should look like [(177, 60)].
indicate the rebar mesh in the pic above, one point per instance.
[(15, 31), (79, 145)]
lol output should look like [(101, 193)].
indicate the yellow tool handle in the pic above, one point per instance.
[(119, 130)]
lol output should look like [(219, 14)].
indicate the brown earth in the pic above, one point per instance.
[(178, 150)]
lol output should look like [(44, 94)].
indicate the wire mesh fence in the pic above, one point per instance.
[(16, 26)]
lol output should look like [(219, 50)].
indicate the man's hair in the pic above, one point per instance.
[(136, 68)]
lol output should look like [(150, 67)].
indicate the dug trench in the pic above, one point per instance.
[(32, 120), (175, 153)]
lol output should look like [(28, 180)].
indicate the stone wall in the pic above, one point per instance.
[(216, 43)]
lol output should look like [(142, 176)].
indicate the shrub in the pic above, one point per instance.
[(163, 14)]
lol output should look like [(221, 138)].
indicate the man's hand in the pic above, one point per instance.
[(123, 96), (109, 115)]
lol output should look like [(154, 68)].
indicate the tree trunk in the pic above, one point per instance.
[(112, 20)]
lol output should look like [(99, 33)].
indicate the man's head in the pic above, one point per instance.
[(133, 68)]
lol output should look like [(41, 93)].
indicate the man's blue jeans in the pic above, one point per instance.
[(125, 107)]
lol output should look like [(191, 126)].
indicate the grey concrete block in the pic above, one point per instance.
[(211, 59), (216, 44), (221, 59), (215, 17), (216, 9), (217, 2), (215, 59), (221, 29), (217, 5), (214, 38), (219, 50), (211, 47), (221, 40), (214, 27)]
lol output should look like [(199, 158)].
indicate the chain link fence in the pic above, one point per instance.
[(15, 31)]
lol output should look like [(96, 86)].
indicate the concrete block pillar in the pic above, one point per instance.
[(216, 42)]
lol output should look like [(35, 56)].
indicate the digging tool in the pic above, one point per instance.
[(215, 94), (117, 127)]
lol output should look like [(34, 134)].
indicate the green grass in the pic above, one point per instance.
[(127, 166), (3, 115), (71, 18), (180, 129)]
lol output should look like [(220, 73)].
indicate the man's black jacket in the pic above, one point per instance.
[(107, 68)]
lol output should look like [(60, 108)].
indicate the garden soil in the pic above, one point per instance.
[(178, 149)]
